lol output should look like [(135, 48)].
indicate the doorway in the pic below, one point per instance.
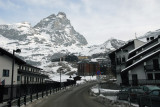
[(134, 79)]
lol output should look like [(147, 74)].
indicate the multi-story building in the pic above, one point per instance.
[(143, 63), (118, 60), (88, 68)]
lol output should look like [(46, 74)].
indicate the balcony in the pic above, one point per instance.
[(24, 72), (144, 82), (152, 68)]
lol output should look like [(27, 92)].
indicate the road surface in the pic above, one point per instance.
[(73, 97)]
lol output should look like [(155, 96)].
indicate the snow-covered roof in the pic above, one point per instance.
[(94, 60), (141, 60)]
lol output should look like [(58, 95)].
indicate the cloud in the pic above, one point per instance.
[(46, 3), (8, 5), (97, 20), (121, 19)]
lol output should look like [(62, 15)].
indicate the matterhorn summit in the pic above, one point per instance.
[(60, 30)]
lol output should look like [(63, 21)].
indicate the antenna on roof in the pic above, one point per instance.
[(135, 35)]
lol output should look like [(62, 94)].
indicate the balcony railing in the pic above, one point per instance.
[(144, 82), (151, 67), (31, 73)]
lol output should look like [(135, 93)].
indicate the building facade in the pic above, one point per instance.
[(88, 68), (143, 65), (119, 58)]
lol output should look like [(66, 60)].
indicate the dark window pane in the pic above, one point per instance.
[(5, 73), (157, 76), (150, 76)]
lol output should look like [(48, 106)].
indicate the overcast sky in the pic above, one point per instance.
[(97, 20)]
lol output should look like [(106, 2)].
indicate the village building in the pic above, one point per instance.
[(118, 60), (88, 68), (23, 72), (143, 63)]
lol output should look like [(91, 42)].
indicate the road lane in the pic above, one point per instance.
[(74, 97)]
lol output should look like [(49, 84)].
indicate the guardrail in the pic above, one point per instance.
[(28, 92)]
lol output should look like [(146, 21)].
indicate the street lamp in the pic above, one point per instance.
[(13, 60)]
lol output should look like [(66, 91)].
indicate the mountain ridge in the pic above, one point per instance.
[(52, 37)]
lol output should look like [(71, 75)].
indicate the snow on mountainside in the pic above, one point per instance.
[(150, 34), (52, 37)]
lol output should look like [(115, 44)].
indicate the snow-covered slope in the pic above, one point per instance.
[(52, 37)]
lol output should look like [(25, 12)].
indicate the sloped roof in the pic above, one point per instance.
[(124, 46)]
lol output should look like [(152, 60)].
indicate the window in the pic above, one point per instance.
[(5, 73), (18, 78), (123, 59), (125, 50), (151, 38), (150, 76), (157, 76), (117, 61)]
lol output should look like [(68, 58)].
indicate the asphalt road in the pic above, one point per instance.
[(74, 97)]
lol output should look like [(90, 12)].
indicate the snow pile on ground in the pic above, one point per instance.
[(85, 79), (109, 97), (98, 90)]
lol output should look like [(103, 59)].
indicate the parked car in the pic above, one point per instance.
[(130, 93), (149, 88), (152, 99)]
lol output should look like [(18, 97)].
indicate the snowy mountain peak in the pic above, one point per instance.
[(113, 43), (60, 30), (61, 15)]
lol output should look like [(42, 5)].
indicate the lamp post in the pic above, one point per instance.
[(60, 77), (13, 60)]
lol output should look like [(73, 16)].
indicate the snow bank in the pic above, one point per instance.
[(85, 79)]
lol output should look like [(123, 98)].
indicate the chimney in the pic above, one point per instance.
[(150, 38)]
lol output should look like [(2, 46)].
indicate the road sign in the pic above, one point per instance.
[(98, 72)]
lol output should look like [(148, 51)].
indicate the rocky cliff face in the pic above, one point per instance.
[(60, 30)]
